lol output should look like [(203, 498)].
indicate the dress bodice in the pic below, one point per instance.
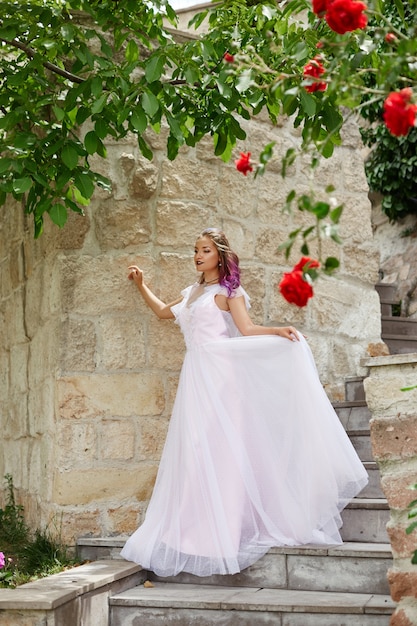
[(201, 320)]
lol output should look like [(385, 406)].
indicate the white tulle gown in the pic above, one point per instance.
[(255, 455)]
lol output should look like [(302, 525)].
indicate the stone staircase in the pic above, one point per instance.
[(399, 333), (304, 586)]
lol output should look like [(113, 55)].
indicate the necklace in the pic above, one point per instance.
[(211, 282)]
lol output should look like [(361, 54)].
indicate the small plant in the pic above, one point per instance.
[(26, 556), (412, 513)]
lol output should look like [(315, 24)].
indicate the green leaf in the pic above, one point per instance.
[(330, 264), (244, 81), (21, 185), (5, 165), (144, 148), (58, 214), (132, 51), (308, 103), (84, 184), (91, 142), (138, 119), (98, 105), (400, 8), (154, 68), (336, 214), (150, 103), (59, 113), (69, 156)]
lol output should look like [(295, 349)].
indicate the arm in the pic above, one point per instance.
[(161, 310), (245, 325)]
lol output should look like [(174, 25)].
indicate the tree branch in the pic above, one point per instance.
[(15, 43)]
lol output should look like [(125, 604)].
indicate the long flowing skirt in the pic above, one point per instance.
[(255, 457)]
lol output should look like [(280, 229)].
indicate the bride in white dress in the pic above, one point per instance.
[(255, 455)]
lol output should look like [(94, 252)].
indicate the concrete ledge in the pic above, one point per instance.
[(171, 595), (63, 598), (392, 359)]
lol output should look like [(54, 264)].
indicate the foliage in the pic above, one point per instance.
[(411, 515), (391, 167), (27, 555), (101, 69)]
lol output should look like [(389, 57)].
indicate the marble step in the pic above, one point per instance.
[(351, 567), (365, 520), (400, 344), (176, 604), (373, 488), (396, 325), (354, 389)]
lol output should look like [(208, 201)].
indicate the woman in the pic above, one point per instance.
[(255, 455)]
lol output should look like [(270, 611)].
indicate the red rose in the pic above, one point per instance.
[(229, 58), (243, 164), (399, 114), (305, 262), (314, 69), (320, 7), (295, 288), (390, 38), (346, 15)]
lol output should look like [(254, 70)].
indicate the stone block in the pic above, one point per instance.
[(237, 194), (144, 180), (121, 343), (394, 438), (190, 180), (122, 520), (73, 235), (14, 320), (356, 211), (351, 309), (18, 363), (117, 439), (122, 223), (383, 390), (361, 261), (404, 617), (110, 395), (81, 487), (77, 522), (77, 345), (241, 239), (91, 284), (267, 245), (179, 223), (77, 444), (174, 272), (16, 266), (403, 545), (166, 346), (396, 487), (153, 433), (402, 584)]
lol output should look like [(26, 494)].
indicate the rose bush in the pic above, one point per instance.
[(243, 163), (314, 69), (344, 16), (295, 288), (399, 113)]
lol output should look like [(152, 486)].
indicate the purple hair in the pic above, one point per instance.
[(229, 271)]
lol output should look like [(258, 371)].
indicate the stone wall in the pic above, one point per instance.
[(398, 250), (394, 444), (88, 374)]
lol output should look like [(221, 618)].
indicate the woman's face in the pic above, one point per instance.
[(206, 255)]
